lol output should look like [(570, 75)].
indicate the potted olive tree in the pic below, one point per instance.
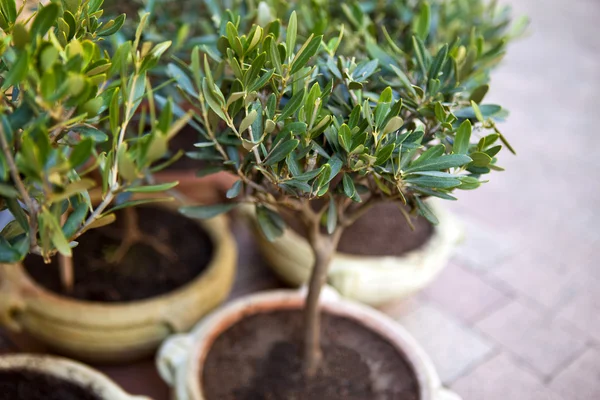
[(72, 162), (318, 139), (186, 24)]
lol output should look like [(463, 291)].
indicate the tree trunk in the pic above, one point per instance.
[(324, 247), (67, 276)]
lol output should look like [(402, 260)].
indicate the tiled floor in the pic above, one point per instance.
[(521, 299), (516, 315)]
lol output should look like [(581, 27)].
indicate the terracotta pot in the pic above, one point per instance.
[(117, 332), (68, 370), (209, 189), (372, 280), (181, 358)]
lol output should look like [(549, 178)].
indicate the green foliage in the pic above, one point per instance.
[(67, 108), (387, 107)]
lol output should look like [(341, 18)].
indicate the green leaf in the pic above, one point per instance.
[(235, 190), (135, 203), (45, 19), (331, 216), (438, 62), (292, 106), (110, 29), (114, 113), (384, 154), (345, 137), (8, 191), (271, 224), (477, 111), (463, 138), (247, 121), (440, 163), (207, 212), (480, 159), (308, 50), (422, 23), (75, 220), (292, 28), (281, 151), (81, 152), (349, 188), (426, 212), (152, 188), (18, 71), (434, 182), (9, 10), (420, 54)]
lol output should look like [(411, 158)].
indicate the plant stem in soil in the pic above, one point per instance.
[(323, 247)]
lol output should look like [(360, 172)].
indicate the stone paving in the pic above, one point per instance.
[(516, 314)]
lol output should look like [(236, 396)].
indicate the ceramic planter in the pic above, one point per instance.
[(68, 370), (372, 280), (181, 358), (117, 332), (210, 189)]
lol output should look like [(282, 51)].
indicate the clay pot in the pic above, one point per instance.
[(117, 332), (181, 358), (373, 280), (209, 189), (68, 370)]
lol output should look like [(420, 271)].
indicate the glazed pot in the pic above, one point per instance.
[(181, 358), (209, 189), (373, 280), (68, 370), (117, 332)]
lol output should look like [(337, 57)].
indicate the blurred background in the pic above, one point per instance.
[(516, 315)]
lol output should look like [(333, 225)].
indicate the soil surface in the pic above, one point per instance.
[(382, 231), (23, 384), (259, 358), (143, 272)]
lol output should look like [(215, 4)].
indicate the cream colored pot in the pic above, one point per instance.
[(70, 371), (117, 332), (180, 359), (368, 279)]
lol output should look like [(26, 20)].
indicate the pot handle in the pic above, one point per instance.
[(444, 394), (171, 357), (11, 299)]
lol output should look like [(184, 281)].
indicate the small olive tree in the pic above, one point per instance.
[(297, 123), (66, 110)]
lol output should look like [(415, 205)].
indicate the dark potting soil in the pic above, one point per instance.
[(143, 272), (259, 358), (383, 231), (23, 384)]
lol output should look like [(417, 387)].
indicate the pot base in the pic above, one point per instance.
[(259, 357), (24, 384)]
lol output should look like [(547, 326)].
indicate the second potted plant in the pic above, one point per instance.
[(324, 138)]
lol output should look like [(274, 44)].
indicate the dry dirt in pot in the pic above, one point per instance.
[(382, 231), (143, 272), (259, 359), (23, 384)]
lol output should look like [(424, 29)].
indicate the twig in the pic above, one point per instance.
[(14, 172)]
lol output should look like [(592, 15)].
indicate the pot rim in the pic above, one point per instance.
[(216, 230), (69, 370), (181, 359)]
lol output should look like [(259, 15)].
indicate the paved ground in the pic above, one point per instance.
[(516, 315)]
